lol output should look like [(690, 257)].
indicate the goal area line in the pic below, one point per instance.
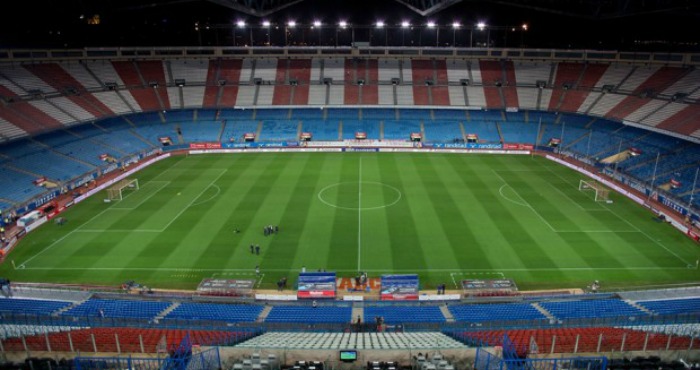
[(602, 193), (115, 192)]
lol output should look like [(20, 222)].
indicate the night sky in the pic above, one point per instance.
[(64, 24)]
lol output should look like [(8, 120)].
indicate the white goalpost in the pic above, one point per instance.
[(601, 192), (116, 191)]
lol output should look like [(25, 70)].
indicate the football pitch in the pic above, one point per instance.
[(444, 216)]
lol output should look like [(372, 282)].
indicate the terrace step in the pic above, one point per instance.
[(357, 312), (543, 311), (222, 130), (638, 306), (64, 309), (264, 313), (258, 131), (446, 312), (168, 310)]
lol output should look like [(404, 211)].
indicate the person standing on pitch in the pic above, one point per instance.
[(257, 249)]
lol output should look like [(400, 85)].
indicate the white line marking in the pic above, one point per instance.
[(218, 190), (605, 207), (107, 209), (193, 200), (118, 231), (494, 271), (61, 239), (649, 237), (320, 196), (144, 199), (359, 216), (573, 201), (575, 187), (598, 231), (500, 191), (526, 203)]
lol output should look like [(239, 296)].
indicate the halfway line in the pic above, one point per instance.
[(359, 216)]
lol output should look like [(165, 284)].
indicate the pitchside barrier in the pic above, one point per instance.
[(400, 287), (315, 285), (184, 356)]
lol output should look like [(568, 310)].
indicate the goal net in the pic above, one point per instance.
[(118, 190), (601, 192)]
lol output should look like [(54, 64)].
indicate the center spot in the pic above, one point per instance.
[(365, 195)]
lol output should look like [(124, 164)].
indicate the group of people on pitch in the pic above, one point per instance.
[(269, 230)]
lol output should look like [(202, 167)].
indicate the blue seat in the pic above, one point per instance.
[(404, 314), (591, 309), (217, 312), (118, 308), (672, 306), (495, 312), (305, 314), (31, 306)]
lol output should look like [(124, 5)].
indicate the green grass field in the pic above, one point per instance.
[(446, 217)]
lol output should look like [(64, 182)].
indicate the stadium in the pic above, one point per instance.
[(428, 185)]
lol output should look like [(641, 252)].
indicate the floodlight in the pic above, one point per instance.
[(317, 23), (343, 24), (481, 26), (431, 24), (291, 24), (456, 25), (524, 26), (405, 24), (266, 23), (380, 24), (240, 24)]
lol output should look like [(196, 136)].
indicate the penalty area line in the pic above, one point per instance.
[(193, 201), (635, 227), (525, 203), (144, 200)]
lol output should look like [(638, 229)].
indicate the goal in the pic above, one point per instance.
[(601, 192), (116, 191)]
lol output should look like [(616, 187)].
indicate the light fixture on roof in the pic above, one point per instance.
[(405, 24), (317, 23), (291, 24), (456, 25), (240, 24), (431, 24), (481, 26), (343, 24), (524, 26), (380, 24), (266, 23)]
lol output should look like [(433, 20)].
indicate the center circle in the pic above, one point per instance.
[(359, 196)]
